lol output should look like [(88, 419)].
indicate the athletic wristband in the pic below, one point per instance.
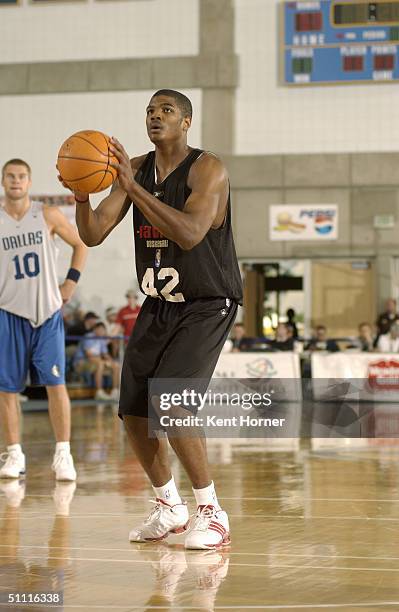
[(81, 201), (73, 275)]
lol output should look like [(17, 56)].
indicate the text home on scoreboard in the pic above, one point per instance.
[(340, 41)]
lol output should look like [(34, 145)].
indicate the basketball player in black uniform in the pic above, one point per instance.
[(187, 266)]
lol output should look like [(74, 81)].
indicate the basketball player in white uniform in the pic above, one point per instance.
[(31, 325)]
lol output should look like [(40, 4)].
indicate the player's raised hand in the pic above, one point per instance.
[(123, 167)]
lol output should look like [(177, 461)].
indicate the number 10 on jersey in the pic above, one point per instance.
[(28, 265)]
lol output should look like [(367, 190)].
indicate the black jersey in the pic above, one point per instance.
[(166, 271)]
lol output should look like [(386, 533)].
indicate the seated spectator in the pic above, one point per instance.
[(284, 340), (237, 338), (113, 329), (93, 356), (291, 321), (365, 340), (81, 328), (320, 342), (127, 316), (389, 343), (387, 318)]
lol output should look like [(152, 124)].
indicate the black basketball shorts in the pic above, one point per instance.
[(181, 340)]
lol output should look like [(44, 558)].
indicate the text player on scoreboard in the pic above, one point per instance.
[(187, 267)]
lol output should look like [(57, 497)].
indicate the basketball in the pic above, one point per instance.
[(84, 162)]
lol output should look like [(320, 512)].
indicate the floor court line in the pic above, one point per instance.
[(232, 516), (281, 498), (243, 607), (193, 553), (232, 607), (257, 565)]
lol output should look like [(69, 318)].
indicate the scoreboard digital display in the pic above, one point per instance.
[(340, 41)]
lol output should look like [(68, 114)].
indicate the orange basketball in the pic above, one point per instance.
[(84, 162)]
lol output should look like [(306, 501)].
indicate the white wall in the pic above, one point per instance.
[(272, 119), (33, 128), (98, 30)]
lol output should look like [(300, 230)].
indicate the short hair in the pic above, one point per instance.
[(181, 100), (321, 327), (90, 315), (16, 162)]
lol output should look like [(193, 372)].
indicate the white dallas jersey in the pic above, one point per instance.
[(28, 274)]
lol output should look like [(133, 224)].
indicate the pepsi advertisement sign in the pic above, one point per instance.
[(303, 222)]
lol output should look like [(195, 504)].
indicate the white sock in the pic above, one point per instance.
[(206, 496), (62, 446), (14, 447), (168, 493)]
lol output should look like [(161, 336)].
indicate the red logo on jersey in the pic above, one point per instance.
[(148, 231)]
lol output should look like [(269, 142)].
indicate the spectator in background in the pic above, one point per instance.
[(320, 342), (93, 356), (127, 316), (291, 321), (387, 318), (113, 329), (284, 340), (237, 338), (81, 327), (389, 343), (365, 339)]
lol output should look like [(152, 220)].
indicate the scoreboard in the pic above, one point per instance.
[(340, 41)]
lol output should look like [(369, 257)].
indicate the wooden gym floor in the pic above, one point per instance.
[(315, 526)]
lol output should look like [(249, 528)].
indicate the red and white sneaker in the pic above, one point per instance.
[(162, 521), (210, 529)]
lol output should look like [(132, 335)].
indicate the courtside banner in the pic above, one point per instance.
[(281, 369), (371, 377), (303, 222), (280, 365)]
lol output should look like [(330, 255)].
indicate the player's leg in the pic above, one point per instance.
[(48, 369), (99, 372), (14, 459), (59, 407), (10, 417), (14, 351), (170, 513), (116, 375), (151, 451), (205, 326), (144, 351), (192, 454)]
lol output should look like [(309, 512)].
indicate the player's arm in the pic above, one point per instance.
[(188, 227), (58, 224), (94, 225)]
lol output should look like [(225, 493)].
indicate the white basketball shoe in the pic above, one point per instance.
[(63, 466), (210, 529), (162, 521), (14, 464)]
